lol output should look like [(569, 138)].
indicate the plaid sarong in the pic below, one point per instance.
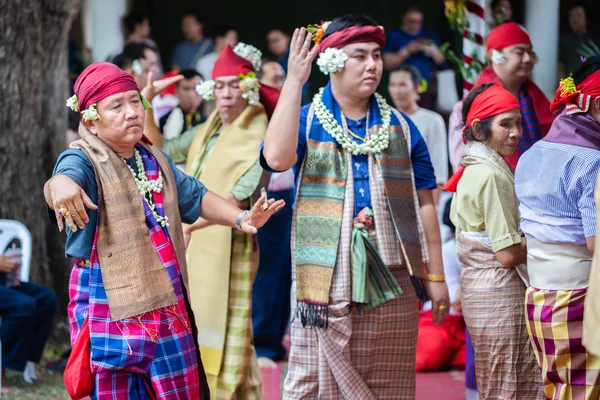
[(239, 377), (493, 307), (155, 350), (555, 325)]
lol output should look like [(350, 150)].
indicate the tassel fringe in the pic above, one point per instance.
[(312, 315)]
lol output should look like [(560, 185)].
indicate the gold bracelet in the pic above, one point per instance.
[(436, 278)]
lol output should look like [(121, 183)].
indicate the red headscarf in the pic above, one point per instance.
[(353, 34), (231, 64), (492, 101), (576, 98), (506, 35), (99, 81)]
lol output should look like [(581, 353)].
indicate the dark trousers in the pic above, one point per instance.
[(271, 290), (27, 313)]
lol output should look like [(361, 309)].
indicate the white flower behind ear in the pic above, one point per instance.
[(206, 89), (136, 66), (250, 53), (73, 103), (91, 114), (332, 60), (498, 57)]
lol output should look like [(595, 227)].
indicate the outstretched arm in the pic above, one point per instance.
[(281, 140)]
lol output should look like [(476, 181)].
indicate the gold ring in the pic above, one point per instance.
[(441, 308), (63, 212)]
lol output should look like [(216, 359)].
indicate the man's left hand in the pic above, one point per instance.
[(440, 301), (257, 217)]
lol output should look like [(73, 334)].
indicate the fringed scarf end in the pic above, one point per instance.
[(420, 288), (312, 315)]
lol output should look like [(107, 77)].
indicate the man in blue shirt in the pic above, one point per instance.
[(194, 47), (413, 45)]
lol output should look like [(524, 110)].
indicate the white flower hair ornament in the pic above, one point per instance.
[(332, 60), (250, 53), (498, 57), (206, 89), (250, 86), (91, 113), (137, 68)]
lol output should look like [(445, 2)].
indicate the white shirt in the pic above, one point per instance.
[(205, 65), (433, 129)]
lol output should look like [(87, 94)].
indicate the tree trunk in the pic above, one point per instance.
[(33, 122)]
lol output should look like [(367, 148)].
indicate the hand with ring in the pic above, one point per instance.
[(69, 202), (440, 301)]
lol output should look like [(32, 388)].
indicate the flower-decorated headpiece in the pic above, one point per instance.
[(331, 56), (576, 98), (99, 81), (244, 61), (505, 35)]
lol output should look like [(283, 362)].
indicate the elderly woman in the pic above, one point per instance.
[(132, 329), (555, 183), (491, 248)]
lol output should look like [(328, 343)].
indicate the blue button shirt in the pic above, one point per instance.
[(397, 39), (75, 164), (419, 155)]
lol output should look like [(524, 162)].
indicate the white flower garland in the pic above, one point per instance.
[(91, 114), (250, 53), (207, 90), (332, 60), (146, 187), (498, 57), (137, 68), (73, 103), (250, 86), (375, 143)]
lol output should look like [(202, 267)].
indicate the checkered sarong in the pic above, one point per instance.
[(555, 325), (493, 306), (154, 351), (367, 357)]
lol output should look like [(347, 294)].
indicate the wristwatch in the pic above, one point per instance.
[(238, 221)]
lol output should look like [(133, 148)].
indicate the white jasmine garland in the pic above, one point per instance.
[(250, 53), (91, 114), (73, 103), (498, 57), (207, 90), (146, 187), (375, 143), (332, 60)]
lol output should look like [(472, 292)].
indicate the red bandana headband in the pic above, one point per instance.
[(506, 35), (353, 34), (576, 98), (99, 81), (492, 101)]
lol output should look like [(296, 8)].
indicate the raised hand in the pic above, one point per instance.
[(257, 217), (301, 56), (68, 201), (154, 88)]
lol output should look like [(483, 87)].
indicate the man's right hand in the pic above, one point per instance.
[(68, 201), (414, 47), (301, 57), (10, 264)]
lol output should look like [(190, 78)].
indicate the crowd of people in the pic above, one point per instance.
[(333, 218)]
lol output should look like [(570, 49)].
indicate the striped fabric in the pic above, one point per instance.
[(492, 301), (240, 375), (531, 126), (154, 351), (555, 324), (565, 177), (369, 356)]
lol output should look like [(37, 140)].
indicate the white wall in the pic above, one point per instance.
[(101, 25)]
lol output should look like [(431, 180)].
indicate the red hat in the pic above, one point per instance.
[(505, 35), (173, 87), (231, 64), (99, 81)]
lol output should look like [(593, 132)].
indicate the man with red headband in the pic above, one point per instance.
[(512, 59), (223, 154), (555, 182), (491, 248), (365, 227), (132, 330)]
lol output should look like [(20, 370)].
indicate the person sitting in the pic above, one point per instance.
[(27, 311), (188, 113)]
